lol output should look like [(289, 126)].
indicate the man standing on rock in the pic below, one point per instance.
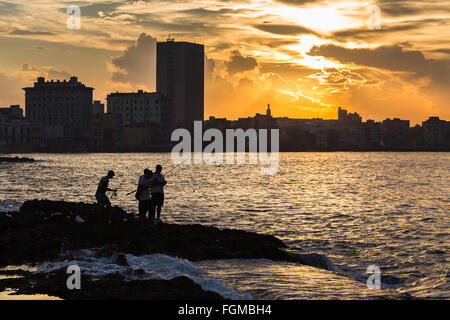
[(158, 182), (144, 197), (100, 195)]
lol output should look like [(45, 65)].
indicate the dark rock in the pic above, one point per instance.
[(120, 259), (138, 272), (109, 287), (16, 159), (41, 230)]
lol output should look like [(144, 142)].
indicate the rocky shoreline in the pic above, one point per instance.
[(16, 159), (43, 230), (111, 286)]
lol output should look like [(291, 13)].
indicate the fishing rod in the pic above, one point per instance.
[(114, 191), (176, 166)]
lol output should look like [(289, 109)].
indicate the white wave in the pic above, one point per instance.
[(9, 205), (155, 266), (320, 261)]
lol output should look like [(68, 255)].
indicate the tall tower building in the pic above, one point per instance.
[(180, 77)]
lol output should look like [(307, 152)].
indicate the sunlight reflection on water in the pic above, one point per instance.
[(387, 209)]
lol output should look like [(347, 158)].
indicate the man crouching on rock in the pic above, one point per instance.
[(143, 195), (100, 195)]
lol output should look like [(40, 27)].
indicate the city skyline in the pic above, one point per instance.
[(62, 115), (256, 111), (304, 57)]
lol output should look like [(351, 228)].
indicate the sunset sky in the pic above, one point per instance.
[(304, 57)]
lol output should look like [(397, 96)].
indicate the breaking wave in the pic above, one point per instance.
[(95, 263)]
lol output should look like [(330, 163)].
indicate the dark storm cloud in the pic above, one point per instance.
[(365, 33), (58, 74), (239, 63), (27, 67), (177, 25), (298, 2), (201, 12), (284, 29), (138, 63), (442, 51), (92, 10), (397, 8), (21, 32), (245, 82), (221, 46), (393, 58), (289, 71), (50, 74), (440, 74), (275, 43), (263, 40), (189, 21), (210, 65), (7, 8), (120, 42)]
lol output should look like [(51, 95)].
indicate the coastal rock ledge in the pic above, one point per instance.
[(45, 230), (16, 159), (42, 229)]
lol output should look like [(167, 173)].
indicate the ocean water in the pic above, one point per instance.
[(391, 210)]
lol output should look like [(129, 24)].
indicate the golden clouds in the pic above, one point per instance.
[(302, 56)]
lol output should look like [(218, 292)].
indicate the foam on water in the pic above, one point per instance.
[(155, 266)]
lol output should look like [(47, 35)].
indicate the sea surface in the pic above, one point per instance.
[(358, 209)]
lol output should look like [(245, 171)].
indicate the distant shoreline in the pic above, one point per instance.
[(329, 150)]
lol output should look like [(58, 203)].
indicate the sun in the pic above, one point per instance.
[(319, 19)]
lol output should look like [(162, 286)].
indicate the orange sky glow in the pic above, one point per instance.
[(304, 57)]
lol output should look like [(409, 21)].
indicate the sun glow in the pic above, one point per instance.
[(319, 19), (306, 42)]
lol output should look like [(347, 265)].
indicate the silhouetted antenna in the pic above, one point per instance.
[(268, 112), (169, 39)]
